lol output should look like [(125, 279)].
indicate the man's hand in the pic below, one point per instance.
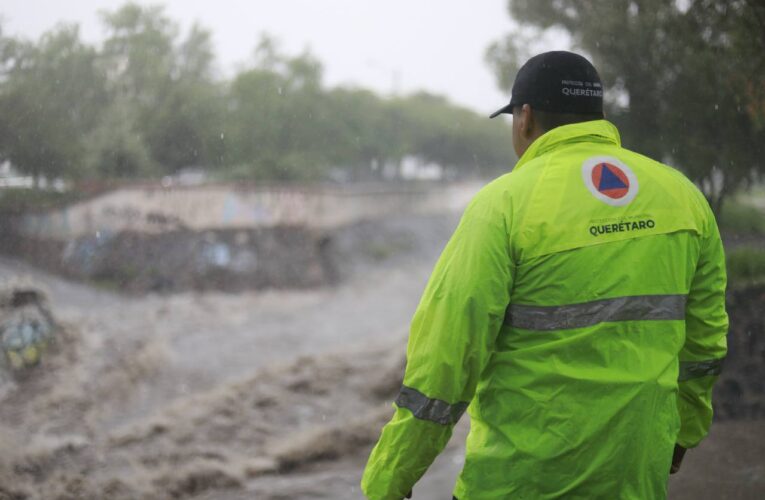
[(677, 458)]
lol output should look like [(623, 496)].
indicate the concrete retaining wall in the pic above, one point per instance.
[(222, 237), (156, 209)]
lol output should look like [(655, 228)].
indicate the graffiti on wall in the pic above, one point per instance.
[(154, 210)]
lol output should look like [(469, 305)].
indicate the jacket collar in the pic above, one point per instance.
[(593, 131)]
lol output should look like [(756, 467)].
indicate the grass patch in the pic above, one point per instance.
[(746, 265), (380, 250), (742, 218), (20, 200)]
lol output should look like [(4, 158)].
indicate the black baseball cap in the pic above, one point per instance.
[(557, 81)]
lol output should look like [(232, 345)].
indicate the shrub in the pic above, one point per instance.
[(738, 217), (746, 265)]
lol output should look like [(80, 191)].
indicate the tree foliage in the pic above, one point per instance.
[(167, 86), (51, 91), (686, 78), (148, 102)]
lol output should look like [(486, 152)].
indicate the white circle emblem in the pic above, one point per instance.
[(609, 180)]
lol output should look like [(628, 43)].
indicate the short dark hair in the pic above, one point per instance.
[(549, 120)]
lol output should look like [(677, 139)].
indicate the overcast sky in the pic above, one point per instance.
[(386, 45)]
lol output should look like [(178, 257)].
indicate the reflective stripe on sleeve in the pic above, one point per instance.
[(425, 408), (696, 369), (634, 308)]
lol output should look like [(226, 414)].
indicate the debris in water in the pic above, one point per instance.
[(26, 327)]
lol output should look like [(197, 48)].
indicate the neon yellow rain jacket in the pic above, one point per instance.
[(579, 310)]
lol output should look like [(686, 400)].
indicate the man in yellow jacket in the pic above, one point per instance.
[(578, 313)]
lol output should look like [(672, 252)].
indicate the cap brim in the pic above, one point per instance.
[(504, 109)]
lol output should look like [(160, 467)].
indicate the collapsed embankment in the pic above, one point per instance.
[(183, 259)]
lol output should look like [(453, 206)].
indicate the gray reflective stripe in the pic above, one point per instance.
[(697, 369), (635, 308), (425, 408)]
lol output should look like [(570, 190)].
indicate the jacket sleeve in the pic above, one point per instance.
[(705, 343), (451, 338)]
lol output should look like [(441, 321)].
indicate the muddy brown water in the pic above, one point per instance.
[(267, 395)]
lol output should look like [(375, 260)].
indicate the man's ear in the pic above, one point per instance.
[(527, 120)]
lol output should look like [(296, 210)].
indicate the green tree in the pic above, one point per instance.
[(185, 128), (685, 77), (148, 102), (115, 149), (367, 132), (277, 116), (168, 83), (11, 51), (50, 92), (139, 53), (456, 138)]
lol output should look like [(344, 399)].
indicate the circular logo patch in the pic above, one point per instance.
[(609, 180)]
